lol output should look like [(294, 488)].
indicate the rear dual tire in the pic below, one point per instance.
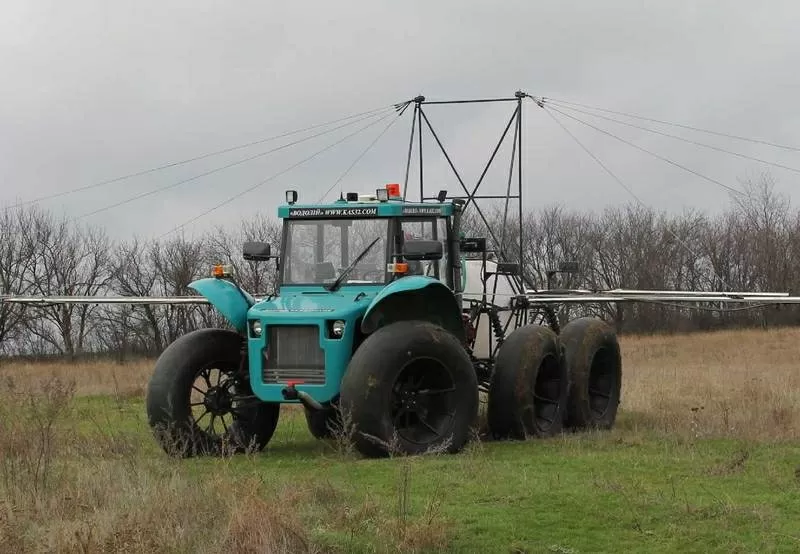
[(528, 394), (594, 362), (544, 383)]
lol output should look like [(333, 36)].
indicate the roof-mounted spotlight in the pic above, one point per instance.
[(352, 197), (441, 196), (382, 195), (291, 196)]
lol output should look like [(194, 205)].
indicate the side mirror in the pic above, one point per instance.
[(256, 251), (422, 250)]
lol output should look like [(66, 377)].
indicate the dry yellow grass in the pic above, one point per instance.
[(89, 378), (743, 384), (67, 488), (733, 383)]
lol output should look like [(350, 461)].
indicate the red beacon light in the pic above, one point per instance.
[(394, 190)]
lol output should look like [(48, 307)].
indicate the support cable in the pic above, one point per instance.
[(497, 147), (360, 156), (689, 141), (662, 158), (218, 169), (270, 178), (628, 189), (455, 172), (199, 157), (691, 128)]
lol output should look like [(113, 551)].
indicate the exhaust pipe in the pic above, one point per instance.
[(291, 393)]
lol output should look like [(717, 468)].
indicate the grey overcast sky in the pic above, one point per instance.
[(92, 90)]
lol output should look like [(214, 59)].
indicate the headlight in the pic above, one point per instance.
[(338, 328), (255, 327)]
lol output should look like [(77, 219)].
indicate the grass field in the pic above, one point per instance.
[(705, 458)]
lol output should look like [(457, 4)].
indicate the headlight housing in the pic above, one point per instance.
[(255, 328), (338, 328)]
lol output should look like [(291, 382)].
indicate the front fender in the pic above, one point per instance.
[(415, 297), (225, 297)]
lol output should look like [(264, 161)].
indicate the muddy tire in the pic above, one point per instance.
[(528, 393), (594, 364), (409, 389), (224, 416)]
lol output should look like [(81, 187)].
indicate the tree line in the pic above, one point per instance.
[(751, 245)]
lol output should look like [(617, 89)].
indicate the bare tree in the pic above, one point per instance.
[(135, 275), (16, 258), (68, 261), (176, 263), (753, 245), (225, 246)]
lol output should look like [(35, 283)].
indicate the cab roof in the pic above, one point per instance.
[(350, 209)]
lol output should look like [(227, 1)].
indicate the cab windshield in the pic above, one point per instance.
[(315, 252)]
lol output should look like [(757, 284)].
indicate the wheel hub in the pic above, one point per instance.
[(218, 400), (422, 400), (409, 400)]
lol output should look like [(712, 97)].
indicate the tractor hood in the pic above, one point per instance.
[(297, 343), (305, 302)]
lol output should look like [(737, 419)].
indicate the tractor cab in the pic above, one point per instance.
[(363, 242)]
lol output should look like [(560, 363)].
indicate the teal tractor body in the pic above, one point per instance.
[(361, 273), (368, 332)]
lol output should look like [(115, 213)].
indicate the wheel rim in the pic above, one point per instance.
[(423, 401), (602, 380), (215, 404), (547, 392)]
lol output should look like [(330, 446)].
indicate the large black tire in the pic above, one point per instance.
[(410, 389), (528, 392), (595, 372), (175, 424)]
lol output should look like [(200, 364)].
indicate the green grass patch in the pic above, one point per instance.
[(625, 490)]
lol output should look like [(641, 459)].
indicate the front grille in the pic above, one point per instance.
[(293, 353)]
